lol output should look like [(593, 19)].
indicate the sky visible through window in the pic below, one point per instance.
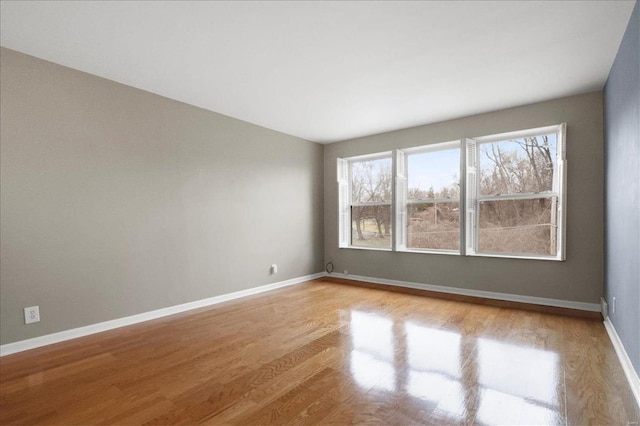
[(437, 169)]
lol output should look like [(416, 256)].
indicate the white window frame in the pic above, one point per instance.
[(345, 203), (402, 198), (474, 198), (470, 196)]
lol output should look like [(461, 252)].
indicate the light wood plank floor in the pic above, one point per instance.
[(327, 353)]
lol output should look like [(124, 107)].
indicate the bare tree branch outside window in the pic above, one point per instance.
[(518, 166), (371, 203)]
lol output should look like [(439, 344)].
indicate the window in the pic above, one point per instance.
[(432, 197), (515, 194), (504, 197), (367, 207)]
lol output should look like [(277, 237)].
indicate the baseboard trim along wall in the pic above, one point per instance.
[(62, 336), (36, 342), (582, 306), (623, 356)]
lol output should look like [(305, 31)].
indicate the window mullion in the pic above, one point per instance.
[(400, 201), (471, 197)]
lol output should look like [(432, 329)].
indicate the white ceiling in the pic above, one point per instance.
[(329, 71)]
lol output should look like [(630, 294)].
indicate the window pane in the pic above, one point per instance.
[(518, 226), (524, 165), (371, 226), (434, 174), (371, 181), (433, 226)]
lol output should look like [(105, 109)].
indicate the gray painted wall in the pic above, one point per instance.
[(579, 278), (116, 201), (622, 147)]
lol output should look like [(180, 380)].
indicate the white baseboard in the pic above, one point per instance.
[(582, 306), (627, 367), (36, 342), (61, 336)]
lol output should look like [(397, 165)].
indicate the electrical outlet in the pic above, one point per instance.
[(274, 269), (31, 314), (613, 306), (346, 272)]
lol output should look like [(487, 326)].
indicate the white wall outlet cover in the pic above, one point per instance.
[(31, 314), (274, 269)]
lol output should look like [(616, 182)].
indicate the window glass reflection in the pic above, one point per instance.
[(438, 390), (498, 383), (370, 372), (433, 350), (520, 371), (372, 357), (502, 408), (453, 405), (520, 384), (433, 358), (428, 386), (372, 334)]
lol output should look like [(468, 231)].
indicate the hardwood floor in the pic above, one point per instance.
[(327, 353)]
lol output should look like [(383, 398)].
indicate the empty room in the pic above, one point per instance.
[(320, 212)]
